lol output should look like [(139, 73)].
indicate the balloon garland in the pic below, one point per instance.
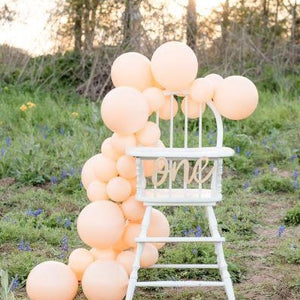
[(112, 221)]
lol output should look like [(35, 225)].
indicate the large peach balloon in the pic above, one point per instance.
[(88, 173), (124, 110), (133, 210), (105, 168), (155, 98), (120, 245), (51, 280), (236, 97), (108, 150), (148, 167), (149, 134), (122, 142), (165, 110), (118, 189), (202, 90), (149, 256), (79, 260), (103, 254), (174, 65), (132, 69), (215, 79), (97, 191), (132, 231), (193, 108), (104, 281), (126, 259), (159, 226), (100, 224), (126, 166)]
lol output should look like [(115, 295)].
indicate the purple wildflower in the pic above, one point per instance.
[(246, 185), (248, 153), (272, 167), (235, 218), (281, 230), (195, 251), (72, 171), (295, 175), (68, 223), (292, 158), (15, 283), (64, 244), (64, 174), (21, 246), (62, 131), (198, 232), (8, 141), (3, 151), (37, 212), (53, 180), (238, 150), (256, 172)]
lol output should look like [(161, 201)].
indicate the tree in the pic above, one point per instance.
[(191, 22)]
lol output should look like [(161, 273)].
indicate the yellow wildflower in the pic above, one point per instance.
[(23, 107), (75, 114), (30, 104)]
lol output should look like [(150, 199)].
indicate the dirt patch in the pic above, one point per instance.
[(4, 182)]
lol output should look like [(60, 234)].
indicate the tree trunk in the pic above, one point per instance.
[(77, 25), (191, 22)]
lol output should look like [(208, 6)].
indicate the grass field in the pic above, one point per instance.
[(44, 147)]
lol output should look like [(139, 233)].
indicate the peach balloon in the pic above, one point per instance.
[(159, 226), (120, 245), (202, 90), (236, 97), (108, 150), (149, 256), (88, 173), (126, 259), (51, 280), (133, 210), (165, 109), (133, 183), (105, 168), (79, 260), (174, 65), (148, 167), (104, 281), (100, 224), (132, 69), (155, 98), (132, 231), (118, 189), (193, 108), (97, 191), (149, 135), (103, 254), (122, 142), (124, 110), (215, 79), (126, 166)]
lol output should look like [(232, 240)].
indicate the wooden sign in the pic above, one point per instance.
[(162, 167)]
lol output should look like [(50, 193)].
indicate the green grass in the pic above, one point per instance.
[(44, 148)]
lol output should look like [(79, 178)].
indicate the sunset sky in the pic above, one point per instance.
[(29, 29)]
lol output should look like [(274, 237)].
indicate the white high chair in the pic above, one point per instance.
[(185, 196)]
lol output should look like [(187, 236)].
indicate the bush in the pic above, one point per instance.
[(272, 183), (292, 217)]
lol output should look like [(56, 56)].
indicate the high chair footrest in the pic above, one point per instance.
[(179, 239), (178, 283)]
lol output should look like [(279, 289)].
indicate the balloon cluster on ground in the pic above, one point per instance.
[(112, 221)]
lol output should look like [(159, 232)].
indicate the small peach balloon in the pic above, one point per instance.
[(104, 281), (174, 65), (108, 150), (132, 231), (51, 280), (103, 254), (88, 173), (202, 90), (193, 108), (133, 210), (155, 98), (149, 256), (79, 260), (97, 191), (132, 69), (105, 168), (159, 226), (120, 245), (124, 110), (122, 142), (236, 97), (215, 79), (126, 166), (118, 189), (133, 183), (166, 109), (95, 219), (126, 259), (149, 134)]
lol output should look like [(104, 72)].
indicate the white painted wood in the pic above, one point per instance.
[(171, 196)]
